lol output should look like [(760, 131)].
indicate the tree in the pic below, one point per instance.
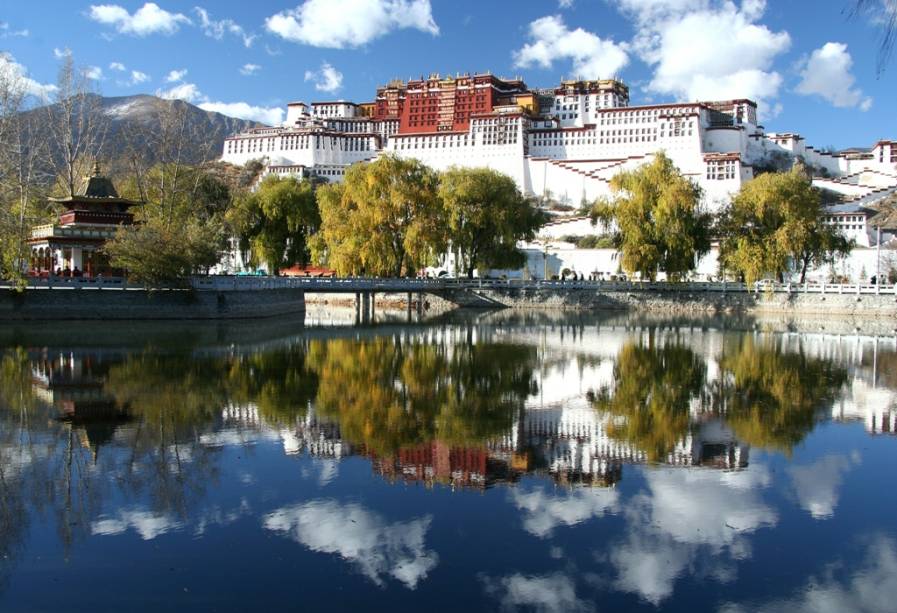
[(76, 126), (774, 220), (23, 172), (385, 219), (275, 222), (486, 215), (659, 222), (154, 252)]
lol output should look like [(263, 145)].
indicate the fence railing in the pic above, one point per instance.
[(348, 285)]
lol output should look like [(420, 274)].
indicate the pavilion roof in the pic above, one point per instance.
[(96, 189)]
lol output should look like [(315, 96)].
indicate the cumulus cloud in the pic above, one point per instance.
[(551, 40), (543, 512), (148, 19), (378, 549), (327, 79), (872, 587), (243, 110), (189, 92), (11, 69), (217, 29), (138, 77), (682, 512), (247, 70), (708, 49), (145, 523), (826, 73), (6, 31), (817, 484), (61, 53), (117, 66), (94, 73), (555, 593), (175, 75), (350, 23)]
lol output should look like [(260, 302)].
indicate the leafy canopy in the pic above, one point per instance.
[(486, 215), (658, 218), (275, 222), (774, 220), (385, 219)]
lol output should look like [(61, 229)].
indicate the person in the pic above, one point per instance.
[(76, 272), (58, 272)]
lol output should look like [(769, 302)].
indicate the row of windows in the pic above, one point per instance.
[(721, 170)]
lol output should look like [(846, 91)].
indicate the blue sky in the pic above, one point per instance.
[(811, 68)]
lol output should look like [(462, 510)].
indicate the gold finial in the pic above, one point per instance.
[(96, 169)]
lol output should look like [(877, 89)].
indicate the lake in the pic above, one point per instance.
[(483, 462)]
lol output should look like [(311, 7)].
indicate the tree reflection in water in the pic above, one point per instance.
[(767, 397)]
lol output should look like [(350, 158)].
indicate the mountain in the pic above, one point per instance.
[(135, 122)]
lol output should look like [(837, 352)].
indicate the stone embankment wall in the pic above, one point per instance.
[(673, 302), (59, 304)]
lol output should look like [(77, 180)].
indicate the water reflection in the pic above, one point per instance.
[(669, 451)]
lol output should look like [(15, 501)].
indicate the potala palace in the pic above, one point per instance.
[(563, 144)]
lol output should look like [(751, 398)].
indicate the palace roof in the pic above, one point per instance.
[(96, 189)]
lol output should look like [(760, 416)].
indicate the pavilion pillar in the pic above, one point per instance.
[(410, 299), (77, 258)]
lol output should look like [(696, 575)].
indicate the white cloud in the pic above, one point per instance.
[(148, 525), (94, 73), (9, 68), (247, 70), (565, 4), (139, 77), (176, 75), (542, 512), (826, 73), (188, 92), (817, 484), (271, 116), (327, 79), (6, 31), (555, 593), (683, 512), (350, 23), (148, 19), (217, 29), (377, 548), (872, 586), (61, 53), (118, 66), (551, 40), (708, 49)]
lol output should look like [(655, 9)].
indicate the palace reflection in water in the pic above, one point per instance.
[(565, 464)]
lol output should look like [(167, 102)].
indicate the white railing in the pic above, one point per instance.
[(348, 285)]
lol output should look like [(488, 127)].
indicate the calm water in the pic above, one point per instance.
[(490, 463)]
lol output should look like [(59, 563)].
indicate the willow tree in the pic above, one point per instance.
[(486, 215), (275, 222), (385, 219), (776, 220), (658, 220)]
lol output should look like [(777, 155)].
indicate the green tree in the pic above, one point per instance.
[(156, 252), (385, 219), (776, 220), (275, 222), (486, 215), (659, 222)]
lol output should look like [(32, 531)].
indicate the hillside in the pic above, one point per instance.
[(130, 122)]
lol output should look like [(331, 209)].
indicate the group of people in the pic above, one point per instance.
[(69, 272)]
